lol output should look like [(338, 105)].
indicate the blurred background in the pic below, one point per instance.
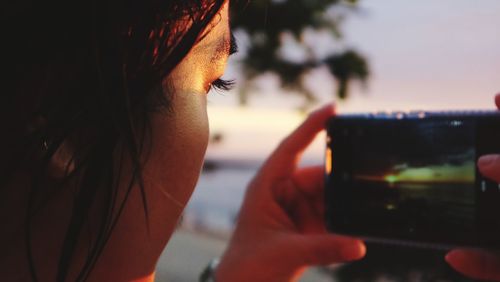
[(295, 55)]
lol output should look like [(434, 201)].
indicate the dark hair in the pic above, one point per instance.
[(87, 74)]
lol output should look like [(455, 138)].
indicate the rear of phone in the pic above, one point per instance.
[(412, 178)]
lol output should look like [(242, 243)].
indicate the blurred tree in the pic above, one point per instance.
[(269, 23), (346, 67)]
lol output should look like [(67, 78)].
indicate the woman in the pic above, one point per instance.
[(105, 124)]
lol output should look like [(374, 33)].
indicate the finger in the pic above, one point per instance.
[(310, 180), (285, 158), (489, 166), (305, 182), (475, 264), (306, 220), (327, 249), (304, 211), (497, 100)]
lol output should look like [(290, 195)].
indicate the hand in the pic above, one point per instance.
[(280, 228), (480, 264)]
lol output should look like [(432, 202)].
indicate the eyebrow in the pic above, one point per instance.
[(225, 48), (233, 45)]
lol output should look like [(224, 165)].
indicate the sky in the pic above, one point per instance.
[(424, 55)]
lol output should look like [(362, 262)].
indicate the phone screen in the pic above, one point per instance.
[(409, 179)]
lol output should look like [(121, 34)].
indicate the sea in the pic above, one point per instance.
[(215, 203)]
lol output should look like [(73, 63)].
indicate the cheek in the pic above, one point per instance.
[(179, 142), (173, 162)]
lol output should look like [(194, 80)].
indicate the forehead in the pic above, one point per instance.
[(218, 26), (216, 37)]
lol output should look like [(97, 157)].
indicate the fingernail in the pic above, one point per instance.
[(487, 160), (329, 108), (449, 258), (353, 251), (455, 257)]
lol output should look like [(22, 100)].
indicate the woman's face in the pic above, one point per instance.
[(179, 140), (180, 136)]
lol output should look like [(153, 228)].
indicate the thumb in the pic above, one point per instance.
[(489, 166), (324, 249), (475, 264)]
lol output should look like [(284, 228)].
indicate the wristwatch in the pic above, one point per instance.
[(208, 274)]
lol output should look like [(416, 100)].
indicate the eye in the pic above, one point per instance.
[(221, 85)]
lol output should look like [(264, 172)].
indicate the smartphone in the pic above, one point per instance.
[(412, 178)]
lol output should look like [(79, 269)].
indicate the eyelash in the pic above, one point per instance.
[(222, 85)]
